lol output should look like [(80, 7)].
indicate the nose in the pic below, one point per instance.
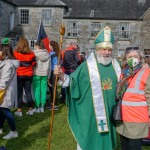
[(107, 51)]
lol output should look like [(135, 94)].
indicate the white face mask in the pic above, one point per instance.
[(133, 62)]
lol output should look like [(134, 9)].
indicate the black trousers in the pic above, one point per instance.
[(130, 144), (51, 89), (63, 95), (24, 82)]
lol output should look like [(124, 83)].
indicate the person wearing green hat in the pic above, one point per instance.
[(6, 41), (91, 96), (8, 83)]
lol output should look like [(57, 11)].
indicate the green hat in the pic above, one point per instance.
[(104, 38), (6, 41)]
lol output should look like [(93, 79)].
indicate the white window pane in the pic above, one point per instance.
[(72, 29), (124, 31), (24, 16), (46, 17), (95, 28)]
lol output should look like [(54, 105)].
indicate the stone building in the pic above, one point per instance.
[(7, 16), (127, 19), (83, 19)]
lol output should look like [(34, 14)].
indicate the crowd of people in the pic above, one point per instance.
[(90, 87), (28, 74)]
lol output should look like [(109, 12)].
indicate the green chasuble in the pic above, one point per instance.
[(81, 114)]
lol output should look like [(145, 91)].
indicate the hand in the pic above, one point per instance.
[(145, 66), (58, 71)]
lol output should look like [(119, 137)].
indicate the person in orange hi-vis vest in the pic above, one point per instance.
[(134, 90)]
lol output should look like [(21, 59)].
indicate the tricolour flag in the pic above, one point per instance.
[(43, 36)]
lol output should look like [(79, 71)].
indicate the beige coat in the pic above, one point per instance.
[(136, 130), (8, 79), (42, 67)]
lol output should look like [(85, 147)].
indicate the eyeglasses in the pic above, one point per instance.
[(132, 48)]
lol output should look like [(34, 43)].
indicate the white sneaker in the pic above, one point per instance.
[(36, 110), (18, 113), (30, 112), (42, 109), (10, 135), (1, 131)]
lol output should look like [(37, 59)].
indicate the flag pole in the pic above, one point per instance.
[(62, 32)]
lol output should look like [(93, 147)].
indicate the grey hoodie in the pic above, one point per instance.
[(8, 81), (42, 67)]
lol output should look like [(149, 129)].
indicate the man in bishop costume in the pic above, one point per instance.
[(91, 96)]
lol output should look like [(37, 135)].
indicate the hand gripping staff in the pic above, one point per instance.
[(62, 32)]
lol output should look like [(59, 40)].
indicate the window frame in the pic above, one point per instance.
[(70, 29), (124, 31), (94, 30), (30, 44), (46, 23), (21, 16)]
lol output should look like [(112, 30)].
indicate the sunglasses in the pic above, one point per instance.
[(132, 48)]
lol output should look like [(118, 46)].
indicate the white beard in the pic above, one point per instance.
[(104, 60)]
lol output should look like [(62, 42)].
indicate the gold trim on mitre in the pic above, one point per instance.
[(104, 45)]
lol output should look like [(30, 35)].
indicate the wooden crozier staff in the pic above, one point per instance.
[(62, 32)]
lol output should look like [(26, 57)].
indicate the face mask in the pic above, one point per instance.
[(132, 62)]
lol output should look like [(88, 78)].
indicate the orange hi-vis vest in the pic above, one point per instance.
[(134, 105)]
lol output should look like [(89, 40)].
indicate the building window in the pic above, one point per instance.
[(24, 16), (124, 30), (32, 42), (72, 29), (95, 28), (46, 17)]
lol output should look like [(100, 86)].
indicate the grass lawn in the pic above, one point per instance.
[(34, 130)]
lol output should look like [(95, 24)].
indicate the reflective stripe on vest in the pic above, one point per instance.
[(134, 105), (129, 103), (136, 89)]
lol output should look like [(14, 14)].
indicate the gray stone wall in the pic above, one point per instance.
[(145, 31), (5, 10), (86, 43), (52, 30)]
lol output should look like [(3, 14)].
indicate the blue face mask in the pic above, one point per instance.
[(133, 62)]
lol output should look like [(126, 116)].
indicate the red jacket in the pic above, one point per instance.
[(27, 61)]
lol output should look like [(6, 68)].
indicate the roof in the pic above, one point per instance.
[(106, 9), (39, 3), (10, 2)]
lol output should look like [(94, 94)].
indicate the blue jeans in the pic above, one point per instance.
[(5, 113)]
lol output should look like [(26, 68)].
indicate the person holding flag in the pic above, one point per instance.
[(91, 96)]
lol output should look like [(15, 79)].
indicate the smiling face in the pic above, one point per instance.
[(104, 56)]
